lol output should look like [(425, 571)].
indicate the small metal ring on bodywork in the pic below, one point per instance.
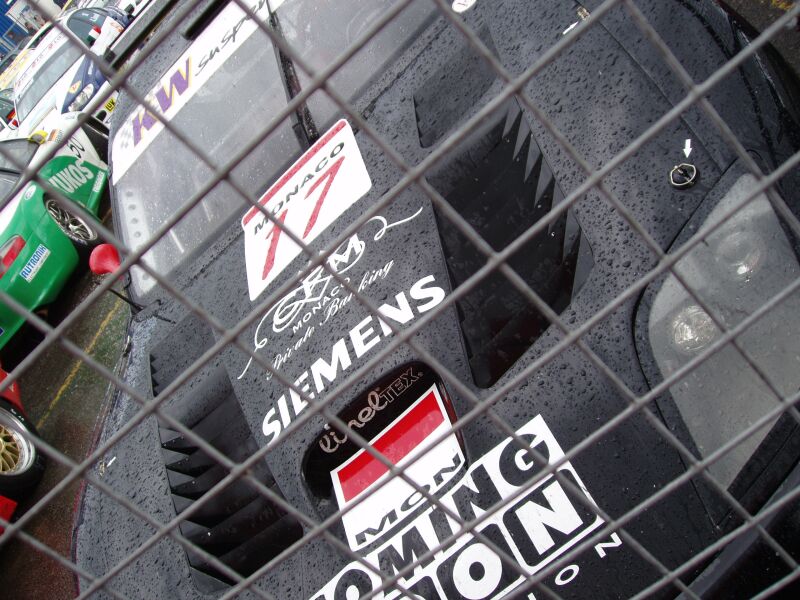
[(683, 176)]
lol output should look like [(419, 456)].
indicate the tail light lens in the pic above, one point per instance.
[(9, 253)]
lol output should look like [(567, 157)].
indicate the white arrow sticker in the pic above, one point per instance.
[(687, 148)]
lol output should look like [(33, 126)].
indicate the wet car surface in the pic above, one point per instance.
[(511, 163)]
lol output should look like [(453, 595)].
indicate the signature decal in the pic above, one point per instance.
[(377, 401), (318, 297), (323, 372)]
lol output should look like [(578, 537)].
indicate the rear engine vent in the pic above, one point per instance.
[(451, 92), (185, 343), (501, 184), (238, 525)]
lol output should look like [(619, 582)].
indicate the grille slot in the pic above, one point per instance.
[(185, 343), (501, 184), (238, 525)]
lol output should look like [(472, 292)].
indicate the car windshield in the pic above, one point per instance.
[(15, 155), (225, 115), (44, 79)]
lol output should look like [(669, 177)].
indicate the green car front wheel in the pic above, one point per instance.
[(77, 229)]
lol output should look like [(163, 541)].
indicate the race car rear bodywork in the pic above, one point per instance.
[(430, 383)]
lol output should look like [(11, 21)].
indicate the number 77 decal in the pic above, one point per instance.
[(327, 180)]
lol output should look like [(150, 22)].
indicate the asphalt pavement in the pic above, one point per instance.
[(64, 398)]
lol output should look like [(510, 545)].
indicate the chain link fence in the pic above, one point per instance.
[(570, 368)]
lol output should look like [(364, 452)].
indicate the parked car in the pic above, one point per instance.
[(60, 75), (60, 78), (96, 27), (9, 74), (7, 109), (12, 55), (21, 464), (39, 236), (308, 341)]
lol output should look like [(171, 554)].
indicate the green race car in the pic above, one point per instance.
[(39, 236)]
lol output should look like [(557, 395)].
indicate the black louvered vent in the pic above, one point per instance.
[(500, 183), (191, 338), (239, 526), (452, 91)]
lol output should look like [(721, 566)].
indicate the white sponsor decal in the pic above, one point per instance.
[(408, 439), (360, 340), (34, 263), (327, 180), (543, 522), (319, 298), (72, 177), (182, 81), (461, 6), (100, 179)]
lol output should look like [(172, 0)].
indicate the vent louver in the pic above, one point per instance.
[(501, 184), (239, 526)]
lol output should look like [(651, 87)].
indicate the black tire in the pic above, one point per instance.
[(80, 231), (21, 464), (98, 136)]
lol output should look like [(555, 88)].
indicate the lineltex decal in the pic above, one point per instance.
[(190, 72), (542, 522), (327, 180), (34, 263), (408, 439)]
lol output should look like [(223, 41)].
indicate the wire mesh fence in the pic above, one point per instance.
[(429, 299)]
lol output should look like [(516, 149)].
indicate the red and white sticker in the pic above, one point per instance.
[(327, 180), (406, 438)]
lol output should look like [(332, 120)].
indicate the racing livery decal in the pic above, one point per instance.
[(35, 262), (318, 298), (327, 180), (411, 438), (539, 519), (189, 73), (359, 341)]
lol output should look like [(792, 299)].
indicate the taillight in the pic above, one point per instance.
[(9, 253)]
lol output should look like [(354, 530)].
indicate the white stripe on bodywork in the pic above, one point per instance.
[(133, 137)]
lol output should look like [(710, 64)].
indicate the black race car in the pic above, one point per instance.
[(508, 308)]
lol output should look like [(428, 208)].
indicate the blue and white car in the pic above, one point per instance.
[(63, 77)]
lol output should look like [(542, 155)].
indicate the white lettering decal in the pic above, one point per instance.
[(544, 521)]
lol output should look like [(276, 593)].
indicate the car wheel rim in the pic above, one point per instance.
[(16, 450), (70, 224)]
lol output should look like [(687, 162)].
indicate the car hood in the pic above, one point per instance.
[(406, 259), (51, 102)]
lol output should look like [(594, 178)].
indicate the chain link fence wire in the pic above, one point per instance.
[(733, 527)]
